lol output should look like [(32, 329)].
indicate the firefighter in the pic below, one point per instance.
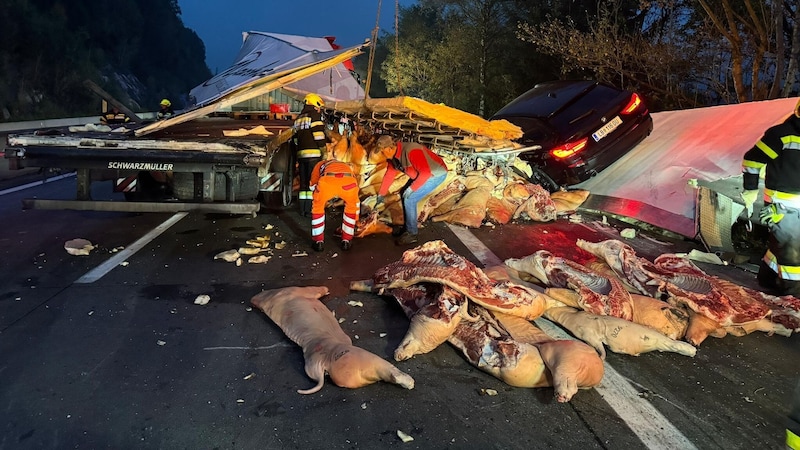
[(311, 139), (333, 179), (165, 110), (778, 152), (426, 170)]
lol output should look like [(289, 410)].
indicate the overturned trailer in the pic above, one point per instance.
[(192, 161)]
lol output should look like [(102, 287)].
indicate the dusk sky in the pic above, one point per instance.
[(220, 23)]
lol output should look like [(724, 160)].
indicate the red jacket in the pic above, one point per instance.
[(415, 160)]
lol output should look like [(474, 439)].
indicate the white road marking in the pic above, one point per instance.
[(35, 183), (649, 425), (99, 271)]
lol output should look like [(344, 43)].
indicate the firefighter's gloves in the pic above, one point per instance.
[(749, 197), (771, 214)]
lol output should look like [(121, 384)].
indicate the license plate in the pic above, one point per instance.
[(607, 128)]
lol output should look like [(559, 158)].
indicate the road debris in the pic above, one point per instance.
[(229, 255), (202, 299), (260, 259), (78, 247), (404, 437)]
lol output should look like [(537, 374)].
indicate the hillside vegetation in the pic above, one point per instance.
[(137, 50)]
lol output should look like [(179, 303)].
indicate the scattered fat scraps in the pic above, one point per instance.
[(404, 437), (202, 299), (257, 243), (280, 245), (78, 247), (229, 255), (260, 259), (355, 303), (249, 251)]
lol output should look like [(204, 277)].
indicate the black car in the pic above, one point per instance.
[(582, 126)]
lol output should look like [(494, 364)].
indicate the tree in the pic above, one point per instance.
[(139, 51)]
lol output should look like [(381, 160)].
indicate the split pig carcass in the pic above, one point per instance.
[(717, 306)]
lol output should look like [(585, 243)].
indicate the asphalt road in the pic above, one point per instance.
[(109, 350)]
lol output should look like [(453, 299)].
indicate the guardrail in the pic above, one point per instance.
[(8, 127)]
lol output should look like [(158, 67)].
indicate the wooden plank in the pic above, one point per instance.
[(92, 86)]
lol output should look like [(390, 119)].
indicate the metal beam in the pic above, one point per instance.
[(78, 205)]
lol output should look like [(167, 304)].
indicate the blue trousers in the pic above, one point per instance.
[(412, 198)]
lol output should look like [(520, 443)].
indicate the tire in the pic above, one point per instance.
[(283, 163)]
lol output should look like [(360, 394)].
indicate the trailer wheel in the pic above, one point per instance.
[(283, 163), (286, 188)]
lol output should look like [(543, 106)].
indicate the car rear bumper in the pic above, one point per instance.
[(587, 168)]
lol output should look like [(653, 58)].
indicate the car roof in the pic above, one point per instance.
[(545, 98)]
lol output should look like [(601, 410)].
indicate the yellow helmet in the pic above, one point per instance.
[(314, 100), (797, 108), (166, 102)]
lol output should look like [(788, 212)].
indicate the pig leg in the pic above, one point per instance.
[(354, 367), (765, 325), (574, 365)]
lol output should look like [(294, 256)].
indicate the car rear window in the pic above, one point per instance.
[(544, 98), (598, 101)]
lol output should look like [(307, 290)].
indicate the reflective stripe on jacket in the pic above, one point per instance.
[(778, 152)]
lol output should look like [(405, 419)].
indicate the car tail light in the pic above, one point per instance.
[(632, 105), (569, 149)]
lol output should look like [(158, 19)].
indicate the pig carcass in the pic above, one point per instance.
[(453, 189), (725, 304), (371, 224), (598, 294), (621, 336), (572, 364), (538, 206), (434, 262), (568, 201), (470, 210), (434, 310), (326, 348)]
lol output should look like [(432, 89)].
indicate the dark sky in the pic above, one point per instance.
[(220, 23)]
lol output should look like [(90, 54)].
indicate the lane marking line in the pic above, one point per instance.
[(641, 417), (99, 271), (35, 183)]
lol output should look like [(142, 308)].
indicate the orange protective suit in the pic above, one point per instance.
[(333, 179)]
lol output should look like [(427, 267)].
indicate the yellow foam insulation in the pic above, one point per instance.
[(451, 117)]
